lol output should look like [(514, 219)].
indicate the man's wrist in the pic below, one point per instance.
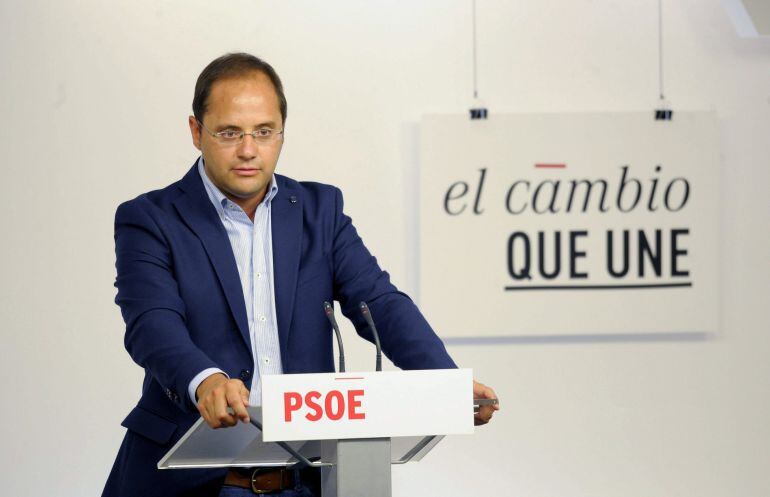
[(195, 383)]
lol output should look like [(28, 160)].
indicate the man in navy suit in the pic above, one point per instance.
[(221, 278)]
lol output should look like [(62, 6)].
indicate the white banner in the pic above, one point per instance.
[(569, 224), (367, 405)]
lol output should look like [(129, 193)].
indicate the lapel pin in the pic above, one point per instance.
[(293, 199)]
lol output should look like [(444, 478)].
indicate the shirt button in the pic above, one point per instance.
[(259, 275), (262, 318), (266, 360)]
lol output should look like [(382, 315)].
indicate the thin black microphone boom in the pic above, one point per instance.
[(368, 317), (329, 310)]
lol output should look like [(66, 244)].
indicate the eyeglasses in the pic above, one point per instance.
[(234, 137)]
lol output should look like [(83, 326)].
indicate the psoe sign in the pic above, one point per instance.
[(333, 407), (367, 405)]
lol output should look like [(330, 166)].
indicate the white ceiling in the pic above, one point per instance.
[(750, 17)]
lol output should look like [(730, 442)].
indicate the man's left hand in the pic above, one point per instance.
[(481, 391)]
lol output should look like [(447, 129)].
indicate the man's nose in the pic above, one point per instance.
[(248, 148)]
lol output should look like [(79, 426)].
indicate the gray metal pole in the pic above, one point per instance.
[(361, 468)]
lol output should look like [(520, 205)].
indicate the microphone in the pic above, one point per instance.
[(329, 310), (368, 317)]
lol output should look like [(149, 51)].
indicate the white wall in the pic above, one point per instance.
[(94, 98)]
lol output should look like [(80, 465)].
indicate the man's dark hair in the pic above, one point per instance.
[(233, 65)]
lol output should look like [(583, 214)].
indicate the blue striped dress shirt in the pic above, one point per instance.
[(252, 246)]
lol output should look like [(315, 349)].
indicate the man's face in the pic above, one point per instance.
[(241, 171)]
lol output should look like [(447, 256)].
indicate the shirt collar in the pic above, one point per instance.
[(218, 198)]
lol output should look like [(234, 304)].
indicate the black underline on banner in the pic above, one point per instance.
[(599, 287)]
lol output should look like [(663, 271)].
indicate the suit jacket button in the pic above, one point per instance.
[(244, 375)]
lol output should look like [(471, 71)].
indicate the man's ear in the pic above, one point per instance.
[(195, 131)]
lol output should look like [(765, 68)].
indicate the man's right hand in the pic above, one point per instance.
[(218, 392)]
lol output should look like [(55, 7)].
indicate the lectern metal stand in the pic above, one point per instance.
[(360, 466)]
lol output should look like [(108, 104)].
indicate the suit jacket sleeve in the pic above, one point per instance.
[(406, 337), (156, 334)]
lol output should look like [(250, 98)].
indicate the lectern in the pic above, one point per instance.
[(353, 426)]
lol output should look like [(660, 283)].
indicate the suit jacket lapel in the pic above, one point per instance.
[(196, 210), (286, 230)]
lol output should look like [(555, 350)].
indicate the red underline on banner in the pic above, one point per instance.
[(551, 166), (351, 378), (642, 286)]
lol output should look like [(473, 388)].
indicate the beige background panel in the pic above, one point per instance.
[(465, 255)]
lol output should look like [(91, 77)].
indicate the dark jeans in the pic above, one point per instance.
[(301, 491)]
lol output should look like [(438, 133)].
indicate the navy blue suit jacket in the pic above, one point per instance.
[(181, 298)]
